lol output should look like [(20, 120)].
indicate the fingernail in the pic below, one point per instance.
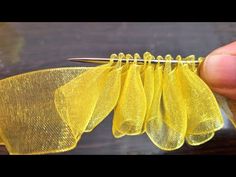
[(219, 71)]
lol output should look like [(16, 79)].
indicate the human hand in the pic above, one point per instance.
[(219, 72)]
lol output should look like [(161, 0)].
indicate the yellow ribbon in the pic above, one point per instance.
[(48, 111)]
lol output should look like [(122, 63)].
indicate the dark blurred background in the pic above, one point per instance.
[(32, 46)]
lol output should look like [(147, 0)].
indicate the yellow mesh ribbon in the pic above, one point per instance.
[(48, 111), (130, 111), (148, 84), (204, 116), (29, 120)]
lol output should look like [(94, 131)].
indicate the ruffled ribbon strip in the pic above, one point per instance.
[(48, 111)]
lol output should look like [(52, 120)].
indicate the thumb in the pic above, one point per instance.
[(219, 70)]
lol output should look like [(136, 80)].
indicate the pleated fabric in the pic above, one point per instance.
[(48, 111)]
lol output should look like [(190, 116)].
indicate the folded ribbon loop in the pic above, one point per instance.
[(130, 111)]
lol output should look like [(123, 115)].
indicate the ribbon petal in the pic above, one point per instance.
[(107, 99), (130, 111), (76, 100), (204, 116)]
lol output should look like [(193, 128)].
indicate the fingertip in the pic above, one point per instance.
[(219, 72)]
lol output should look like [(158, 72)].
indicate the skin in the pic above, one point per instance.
[(219, 72)]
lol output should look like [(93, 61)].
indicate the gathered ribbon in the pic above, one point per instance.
[(48, 111)]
